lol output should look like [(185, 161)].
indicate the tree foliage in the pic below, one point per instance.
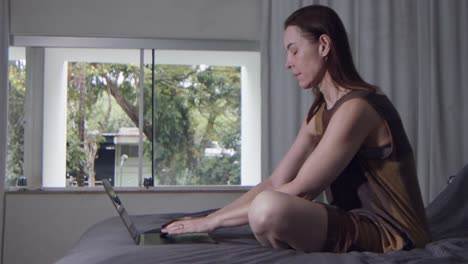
[(17, 94), (194, 106)]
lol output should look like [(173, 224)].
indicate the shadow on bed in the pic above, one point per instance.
[(109, 242)]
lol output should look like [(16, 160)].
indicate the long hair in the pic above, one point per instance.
[(314, 21)]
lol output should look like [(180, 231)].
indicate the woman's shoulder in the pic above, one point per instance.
[(361, 98), (354, 112), (354, 105)]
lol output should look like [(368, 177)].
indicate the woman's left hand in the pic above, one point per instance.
[(191, 225)]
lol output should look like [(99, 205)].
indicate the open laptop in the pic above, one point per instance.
[(154, 236)]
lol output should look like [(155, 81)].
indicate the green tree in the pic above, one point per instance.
[(195, 105), (84, 91), (17, 92)]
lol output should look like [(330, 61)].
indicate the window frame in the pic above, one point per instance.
[(144, 44)]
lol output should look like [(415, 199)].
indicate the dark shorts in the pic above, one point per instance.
[(351, 232)]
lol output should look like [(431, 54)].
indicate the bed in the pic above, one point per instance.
[(109, 242)]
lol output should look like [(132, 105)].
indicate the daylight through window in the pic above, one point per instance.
[(199, 124)]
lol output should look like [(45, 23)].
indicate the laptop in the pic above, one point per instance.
[(154, 236)]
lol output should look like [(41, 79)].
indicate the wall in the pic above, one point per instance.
[(199, 19), (41, 227)]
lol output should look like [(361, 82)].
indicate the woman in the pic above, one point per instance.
[(351, 145)]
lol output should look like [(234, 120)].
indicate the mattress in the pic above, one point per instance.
[(109, 241)]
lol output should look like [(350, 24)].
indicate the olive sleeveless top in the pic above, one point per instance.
[(381, 182)]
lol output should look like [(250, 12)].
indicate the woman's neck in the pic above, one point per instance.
[(331, 91)]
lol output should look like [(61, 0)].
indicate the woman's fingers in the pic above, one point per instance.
[(191, 225), (184, 225), (177, 219), (173, 227), (178, 227), (168, 223)]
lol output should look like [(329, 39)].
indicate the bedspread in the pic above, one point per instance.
[(109, 242)]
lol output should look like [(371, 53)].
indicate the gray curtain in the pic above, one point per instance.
[(415, 50)]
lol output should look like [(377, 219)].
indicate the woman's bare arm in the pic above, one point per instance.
[(236, 213), (306, 169), (345, 134)]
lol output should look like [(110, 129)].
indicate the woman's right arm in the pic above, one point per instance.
[(236, 213)]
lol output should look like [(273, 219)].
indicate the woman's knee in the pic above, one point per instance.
[(267, 211)]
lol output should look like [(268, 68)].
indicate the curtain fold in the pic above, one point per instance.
[(414, 50)]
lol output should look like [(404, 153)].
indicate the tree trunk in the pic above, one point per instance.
[(129, 109), (79, 82), (92, 148), (93, 143)]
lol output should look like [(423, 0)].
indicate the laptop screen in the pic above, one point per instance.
[(121, 210)]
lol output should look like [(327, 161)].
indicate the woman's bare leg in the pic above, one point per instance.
[(280, 220)]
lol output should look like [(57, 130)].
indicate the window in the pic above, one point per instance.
[(196, 123)]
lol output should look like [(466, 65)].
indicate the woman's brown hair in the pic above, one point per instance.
[(314, 21)]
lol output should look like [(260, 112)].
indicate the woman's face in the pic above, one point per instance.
[(303, 58)]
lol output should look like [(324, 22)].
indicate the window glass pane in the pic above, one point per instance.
[(191, 111), (197, 125), (103, 135), (16, 99)]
